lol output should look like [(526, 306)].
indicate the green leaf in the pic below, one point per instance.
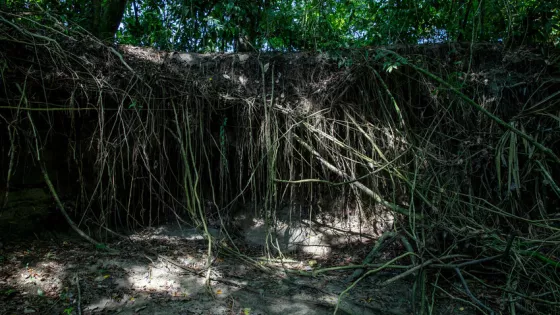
[(9, 292), (100, 246)]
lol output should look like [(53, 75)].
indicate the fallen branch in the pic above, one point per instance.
[(374, 251), (473, 298)]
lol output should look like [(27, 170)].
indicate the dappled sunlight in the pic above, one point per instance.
[(42, 278)]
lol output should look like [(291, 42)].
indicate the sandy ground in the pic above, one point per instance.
[(162, 271)]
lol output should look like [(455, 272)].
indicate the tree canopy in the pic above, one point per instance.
[(277, 25)]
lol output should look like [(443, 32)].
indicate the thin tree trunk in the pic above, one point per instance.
[(111, 18), (465, 19)]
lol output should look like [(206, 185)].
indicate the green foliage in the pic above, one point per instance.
[(9, 292), (100, 246), (101, 18), (227, 25)]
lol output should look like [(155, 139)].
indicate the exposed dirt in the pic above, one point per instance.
[(60, 274)]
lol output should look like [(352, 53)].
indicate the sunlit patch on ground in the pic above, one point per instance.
[(162, 271)]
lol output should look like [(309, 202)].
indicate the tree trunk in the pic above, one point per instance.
[(110, 19), (105, 18)]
